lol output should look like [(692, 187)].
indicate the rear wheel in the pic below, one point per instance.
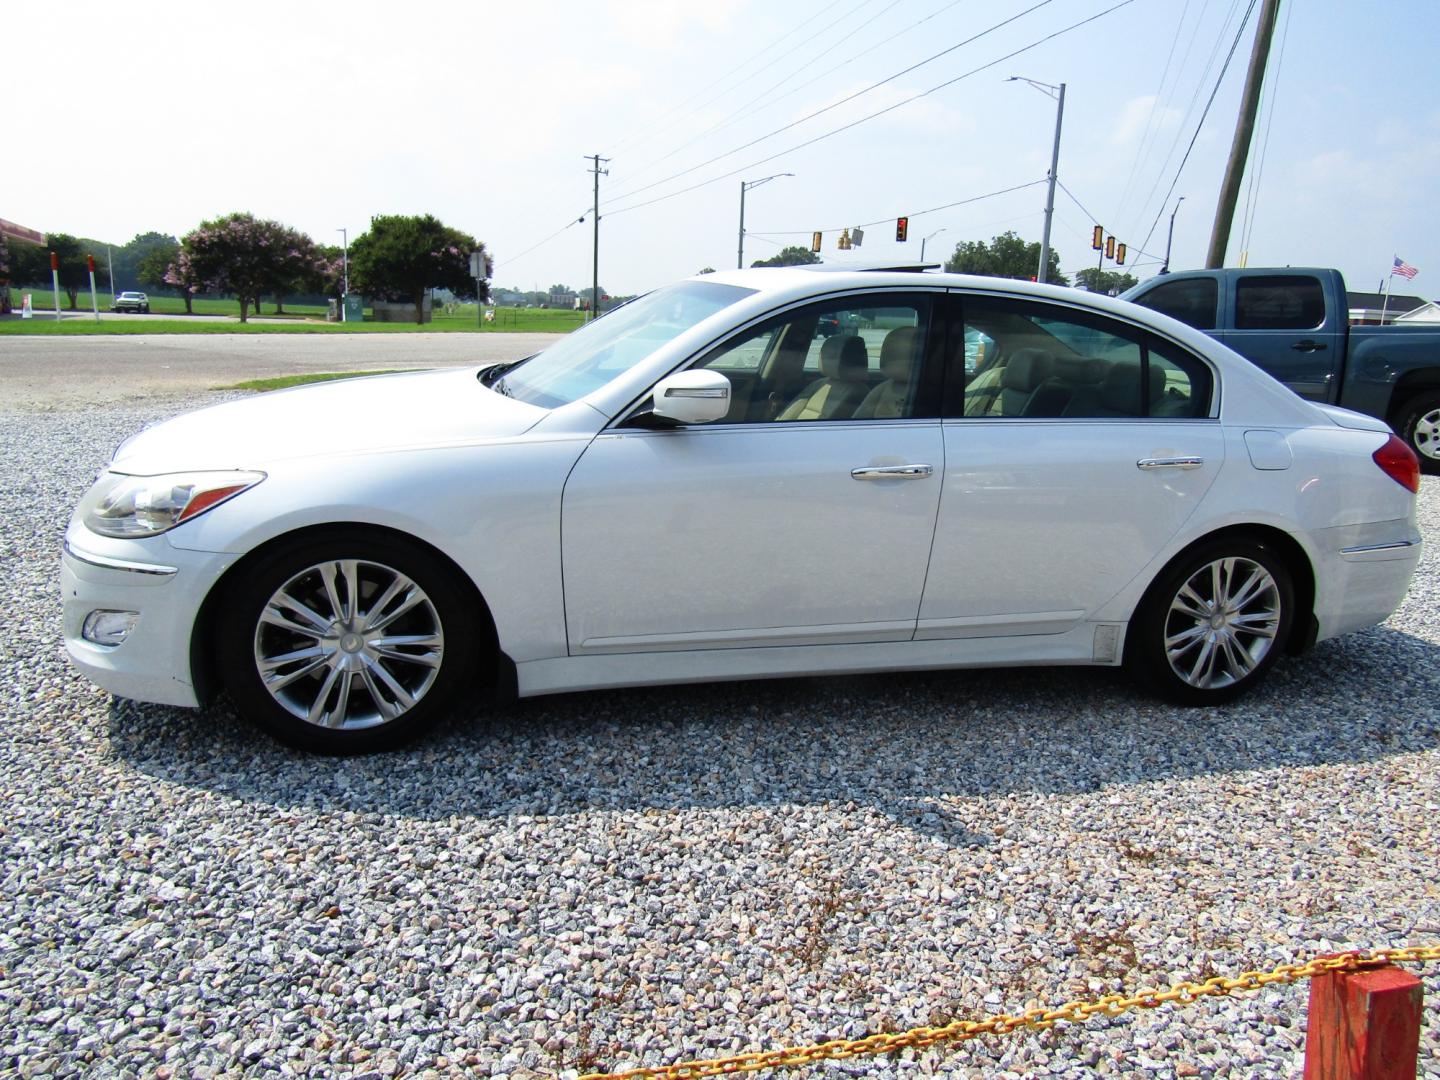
[(1213, 623), (347, 646), (1419, 426)]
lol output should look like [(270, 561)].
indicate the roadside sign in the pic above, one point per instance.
[(354, 308), (20, 232), (477, 264)]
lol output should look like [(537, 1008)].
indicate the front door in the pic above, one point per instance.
[(803, 518)]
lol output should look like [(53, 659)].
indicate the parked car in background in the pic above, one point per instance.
[(133, 302), (1294, 323), (703, 485)]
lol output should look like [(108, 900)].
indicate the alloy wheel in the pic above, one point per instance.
[(348, 644), (1222, 622)]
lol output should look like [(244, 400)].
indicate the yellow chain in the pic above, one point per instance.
[(1038, 1018)]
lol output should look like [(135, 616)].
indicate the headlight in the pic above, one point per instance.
[(129, 506)]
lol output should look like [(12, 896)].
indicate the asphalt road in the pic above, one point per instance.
[(47, 373)]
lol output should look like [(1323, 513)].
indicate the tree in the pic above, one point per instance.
[(1005, 256), (74, 271), (790, 256), (125, 260), (401, 256), (248, 256), (181, 276), (150, 271), (1105, 281)]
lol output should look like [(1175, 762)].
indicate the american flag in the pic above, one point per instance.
[(1403, 268)]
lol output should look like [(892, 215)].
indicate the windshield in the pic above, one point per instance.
[(608, 347)]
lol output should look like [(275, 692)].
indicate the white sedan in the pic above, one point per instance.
[(705, 485)]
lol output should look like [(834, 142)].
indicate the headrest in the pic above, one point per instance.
[(844, 358), (897, 353), (1120, 389), (1027, 369)]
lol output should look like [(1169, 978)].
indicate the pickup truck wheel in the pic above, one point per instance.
[(1420, 427), (1213, 622)]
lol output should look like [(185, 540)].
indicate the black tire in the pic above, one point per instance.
[(362, 699), (1166, 648), (1419, 425)]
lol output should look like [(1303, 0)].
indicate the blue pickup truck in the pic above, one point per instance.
[(1293, 322)]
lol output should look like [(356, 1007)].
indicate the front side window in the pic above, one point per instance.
[(1047, 362), (1191, 300), (1279, 302), (605, 349), (852, 359)]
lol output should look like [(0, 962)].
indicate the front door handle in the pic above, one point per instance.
[(1309, 346), (1170, 463), (892, 472)]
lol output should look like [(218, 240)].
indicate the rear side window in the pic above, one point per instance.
[(1191, 300), (1051, 362), (1290, 302)]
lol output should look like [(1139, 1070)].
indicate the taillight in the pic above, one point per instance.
[(1399, 463)]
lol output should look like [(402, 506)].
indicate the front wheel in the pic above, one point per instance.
[(346, 647), (1419, 426), (1213, 623)]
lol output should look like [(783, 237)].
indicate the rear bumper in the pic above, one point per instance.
[(1363, 575)]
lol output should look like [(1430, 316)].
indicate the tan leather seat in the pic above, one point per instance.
[(844, 360), (897, 360)]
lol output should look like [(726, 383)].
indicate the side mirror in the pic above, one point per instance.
[(697, 396)]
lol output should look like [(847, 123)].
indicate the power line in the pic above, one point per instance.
[(880, 112), (1239, 31), (836, 104), (541, 243), (1155, 101), (912, 214), (741, 113), (651, 130)]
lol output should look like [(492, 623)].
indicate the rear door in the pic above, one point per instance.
[(1282, 322), (1074, 453)]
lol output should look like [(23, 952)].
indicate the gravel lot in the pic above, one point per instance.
[(645, 876)]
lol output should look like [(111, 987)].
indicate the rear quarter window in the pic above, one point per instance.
[(1289, 302), (1193, 301)]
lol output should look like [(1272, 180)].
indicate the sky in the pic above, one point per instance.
[(321, 116)]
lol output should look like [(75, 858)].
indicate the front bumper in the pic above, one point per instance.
[(165, 586)]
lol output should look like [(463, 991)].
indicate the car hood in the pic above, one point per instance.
[(382, 412)]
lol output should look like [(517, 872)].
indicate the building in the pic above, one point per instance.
[(1365, 307)]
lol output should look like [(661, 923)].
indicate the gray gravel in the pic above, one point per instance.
[(644, 876)]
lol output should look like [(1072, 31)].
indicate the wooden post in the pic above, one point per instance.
[(1363, 1025)]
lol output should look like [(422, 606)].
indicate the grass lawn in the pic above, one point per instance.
[(81, 323), (284, 382)]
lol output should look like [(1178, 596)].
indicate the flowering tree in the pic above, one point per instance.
[(181, 276), (247, 256), (402, 256)]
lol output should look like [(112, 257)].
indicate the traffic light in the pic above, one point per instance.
[(1109, 247), (1098, 240), (815, 241), (902, 229), (1120, 255)]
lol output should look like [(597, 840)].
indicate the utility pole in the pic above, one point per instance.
[(1244, 130), (1058, 93), (746, 185), (1165, 269), (595, 261), (344, 271)]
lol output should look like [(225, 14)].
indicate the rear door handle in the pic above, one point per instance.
[(1169, 463), (892, 472), (1309, 346)]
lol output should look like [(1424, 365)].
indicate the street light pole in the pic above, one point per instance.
[(1058, 93), (924, 239), (344, 271), (1171, 238), (746, 185)]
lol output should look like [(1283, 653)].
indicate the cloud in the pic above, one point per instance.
[(1142, 114)]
